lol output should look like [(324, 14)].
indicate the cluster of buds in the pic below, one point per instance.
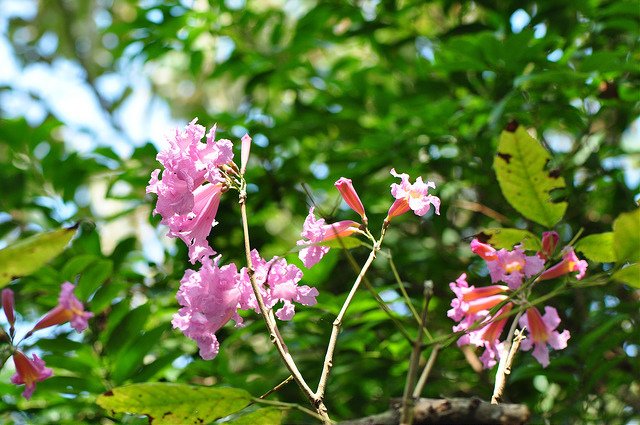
[(189, 191), (29, 371), (407, 196), (473, 307)]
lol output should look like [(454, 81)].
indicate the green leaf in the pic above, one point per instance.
[(28, 255), (347, 243), (93, 277), (266, 416), (508, 238), (626, 236), (520, 166), (629, 275), (597, 247), (168, 404)]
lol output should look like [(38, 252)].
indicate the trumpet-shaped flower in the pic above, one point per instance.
[(278, 282), (412, 196), (471, 300), (513, 266), (542, 333), (209, 298), (570, 263), (486, 251), (315, 231), (188, 205), (28, 372), (69, 309), (350, 196), (194, 228)]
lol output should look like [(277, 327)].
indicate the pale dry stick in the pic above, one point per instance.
[(426, 371), (272, 326), (337, 323), (406, 415), (507, 356), (277, 387)]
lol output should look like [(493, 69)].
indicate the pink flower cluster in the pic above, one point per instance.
[(212, 296), (407, 197), (191, 186), (69, 309), (189, 191), (472, 306)]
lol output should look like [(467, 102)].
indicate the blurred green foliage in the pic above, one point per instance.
[(327, 89)]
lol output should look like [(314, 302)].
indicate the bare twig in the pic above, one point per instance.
[(509, 350), (277, 387), (426, 371), (482, 209), (272, 326), (337, 323), (406, 415)]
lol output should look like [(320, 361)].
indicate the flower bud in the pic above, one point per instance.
[(345, 187), (549, 243)]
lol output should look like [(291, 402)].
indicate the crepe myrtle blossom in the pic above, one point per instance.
[(28, 372), (350, 196), (570, 263), (315, 231), (542, 333), (209, 297), (278, 282), (411, 196), (191, 184), (69, 309)]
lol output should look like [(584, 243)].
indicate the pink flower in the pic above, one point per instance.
[(28, 372), (69, 309), (209, 298), (542, 333), (471, 300), (315, 231), (513, 266), (570, 263), (411, 196), (7, 306), (471, 306), (549, 243), (350, 196), (188, 205), (194, 228), (486, 251), (278, 282)]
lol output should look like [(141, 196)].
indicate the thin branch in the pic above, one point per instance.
[(482, 209), (337, 323), (272, 326), (407, 399), (426, 371), (290, 406), (277, 387), (507, 356)]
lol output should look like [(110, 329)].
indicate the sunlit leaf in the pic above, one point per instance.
[(28, 255), (597, 247), (626, 236), (526, 183), (629, 275), (168, 404)]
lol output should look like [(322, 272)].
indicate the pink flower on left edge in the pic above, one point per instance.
[(28, 372), (412, 196), (315, 231), (542, 332), (7, 306), (69, 309)]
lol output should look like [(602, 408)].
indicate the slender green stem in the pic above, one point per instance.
[(289, 406), (426, 371)]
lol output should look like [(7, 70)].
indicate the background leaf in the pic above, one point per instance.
[(629, 275), (520, 166), (264, 416), (28, 255), (626, 236), (170, 404), (597, 247), (508, 238)]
